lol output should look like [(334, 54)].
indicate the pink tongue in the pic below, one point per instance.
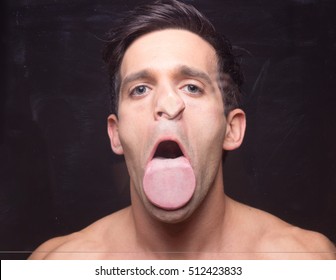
[(169, 183)]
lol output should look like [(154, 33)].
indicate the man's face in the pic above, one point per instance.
[(169, 92)]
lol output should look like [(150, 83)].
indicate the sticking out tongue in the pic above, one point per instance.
[(169, 183)]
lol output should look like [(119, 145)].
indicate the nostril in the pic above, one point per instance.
[(169, 106)]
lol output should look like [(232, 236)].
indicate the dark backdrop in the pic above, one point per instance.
[(57, 171)]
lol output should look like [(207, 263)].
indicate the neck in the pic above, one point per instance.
[(203, 231)]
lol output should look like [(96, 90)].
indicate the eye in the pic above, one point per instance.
[(192, 89), (139, 90)]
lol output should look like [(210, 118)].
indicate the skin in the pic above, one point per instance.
[(169, 91)]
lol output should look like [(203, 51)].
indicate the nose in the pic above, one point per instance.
[(168, 104)]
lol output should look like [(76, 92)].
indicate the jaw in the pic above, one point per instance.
[(203, 200)]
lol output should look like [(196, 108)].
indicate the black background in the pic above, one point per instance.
[(57, 171)]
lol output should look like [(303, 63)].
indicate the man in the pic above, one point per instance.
[(175, 92)]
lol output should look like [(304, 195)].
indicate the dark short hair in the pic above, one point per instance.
[(166, 14)]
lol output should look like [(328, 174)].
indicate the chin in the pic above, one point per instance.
[(176, 216), (171, 216)]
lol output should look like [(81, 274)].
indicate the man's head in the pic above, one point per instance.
[(173, 123), (172, 14)]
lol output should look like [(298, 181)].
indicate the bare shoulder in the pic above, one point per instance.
[(277, 239), (90, 243), (292, 242), (45, 250)]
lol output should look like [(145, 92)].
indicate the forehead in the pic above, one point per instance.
[(163, 50)]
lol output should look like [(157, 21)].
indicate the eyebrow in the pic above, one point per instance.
[(179, 70), (194, 73), (143, 74)]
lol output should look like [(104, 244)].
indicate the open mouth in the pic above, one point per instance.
[(169, 181), (168, 149)]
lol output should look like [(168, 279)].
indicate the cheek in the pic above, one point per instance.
[(133, 133), (211, 135), (128, 134), (131, 121), (208, 119), (128, 131), (207, 130)]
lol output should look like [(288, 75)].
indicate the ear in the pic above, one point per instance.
[(235, 129), (113, 132)]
